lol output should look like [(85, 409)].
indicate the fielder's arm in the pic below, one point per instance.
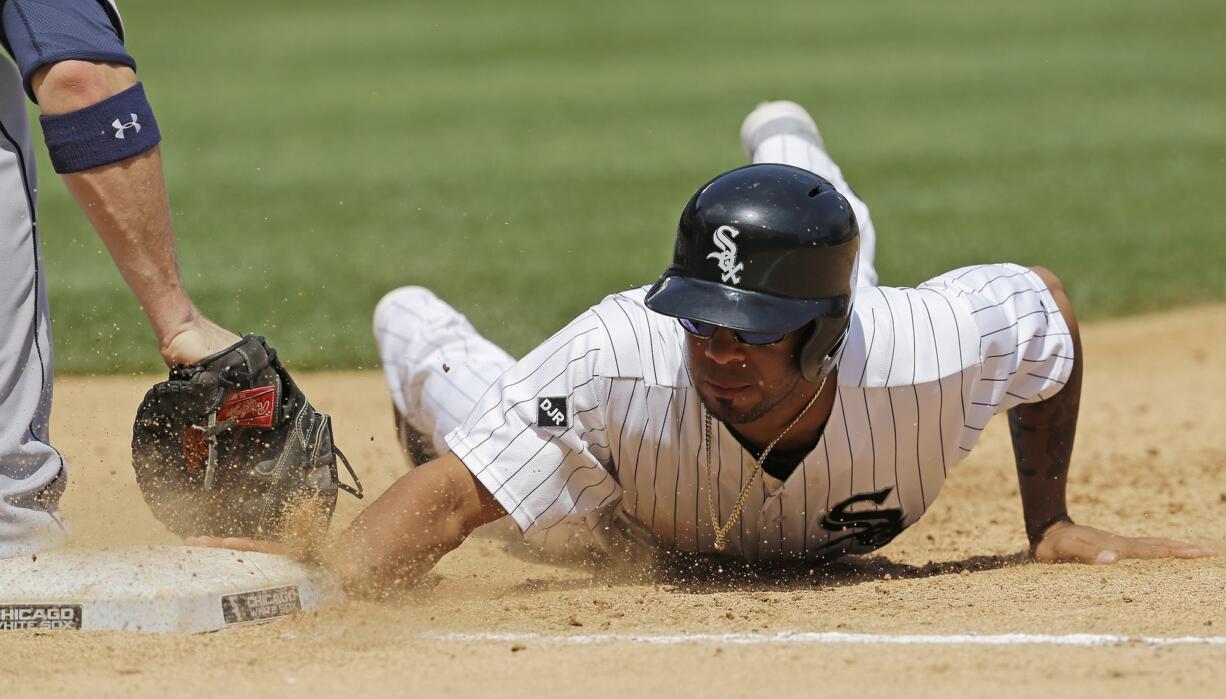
[(1043, 445), (126, 203), (424, 515)]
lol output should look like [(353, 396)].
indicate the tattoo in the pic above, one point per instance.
[(1043, 434), (1017, 430)]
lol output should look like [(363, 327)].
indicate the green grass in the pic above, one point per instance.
[(524, 159)]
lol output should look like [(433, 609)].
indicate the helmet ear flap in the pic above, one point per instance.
[(820, 352)]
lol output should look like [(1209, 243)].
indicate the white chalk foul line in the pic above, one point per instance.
[(832, 638)]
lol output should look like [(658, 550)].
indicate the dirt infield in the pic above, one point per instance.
[(1150, 459)]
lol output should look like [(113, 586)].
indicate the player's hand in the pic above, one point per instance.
[(198, 339), (1066, 542)]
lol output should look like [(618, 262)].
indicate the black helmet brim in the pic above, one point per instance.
[(738, 309)]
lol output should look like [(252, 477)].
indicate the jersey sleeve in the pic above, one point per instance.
[(39, 32), (537, 439), (1025, 348)]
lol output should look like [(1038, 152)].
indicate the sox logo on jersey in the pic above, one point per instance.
[(870, 528), (726, 257)]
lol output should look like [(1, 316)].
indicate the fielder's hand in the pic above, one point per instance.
[(195, 341), (1066, 542)]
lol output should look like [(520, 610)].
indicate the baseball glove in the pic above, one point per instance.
[(231, 447)]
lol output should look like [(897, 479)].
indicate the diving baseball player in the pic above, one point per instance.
[(762, 400), (69, 57)]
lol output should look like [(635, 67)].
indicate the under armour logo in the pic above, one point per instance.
[(120, 127), (727, 254)]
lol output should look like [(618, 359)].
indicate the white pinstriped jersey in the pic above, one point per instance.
[(922, 373)]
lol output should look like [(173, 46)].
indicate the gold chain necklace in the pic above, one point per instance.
[(721, 533)]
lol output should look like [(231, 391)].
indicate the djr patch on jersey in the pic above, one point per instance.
[(551, 412)]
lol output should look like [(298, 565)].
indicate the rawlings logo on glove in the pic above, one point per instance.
[(251, 408)]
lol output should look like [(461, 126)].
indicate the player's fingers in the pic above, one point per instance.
[(1155, 541), (1152, 547)]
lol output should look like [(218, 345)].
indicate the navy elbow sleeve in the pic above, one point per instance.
[(40, 32), (114, 129)]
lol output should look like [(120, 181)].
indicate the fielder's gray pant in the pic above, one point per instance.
[(32, 472)]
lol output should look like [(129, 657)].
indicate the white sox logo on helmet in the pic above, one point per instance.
[(726, 257)]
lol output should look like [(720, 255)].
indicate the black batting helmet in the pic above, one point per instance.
[(766, 248)]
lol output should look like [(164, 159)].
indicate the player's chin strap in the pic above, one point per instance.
[(356, 489)]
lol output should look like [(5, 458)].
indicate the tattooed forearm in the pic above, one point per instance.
[(1043, 433), (1043, 446), (1043, 440)]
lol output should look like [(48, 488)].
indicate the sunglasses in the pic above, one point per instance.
[(703, 329)]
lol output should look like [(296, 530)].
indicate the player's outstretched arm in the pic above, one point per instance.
[(126, 203), (1042, 445), (420, 518)]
